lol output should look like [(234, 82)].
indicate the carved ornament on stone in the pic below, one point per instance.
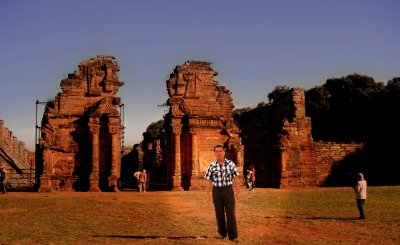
[(178, 107), (192, 79), (107, 105)]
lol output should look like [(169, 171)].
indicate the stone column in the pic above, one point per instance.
[(195, 157), (94, 176), (45, 178), (115, 156), (240, 158), (176, 157)]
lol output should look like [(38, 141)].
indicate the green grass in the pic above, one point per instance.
[(265, 216)]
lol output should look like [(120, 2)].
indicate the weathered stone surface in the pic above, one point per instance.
[(17, 159), (278, 141), (80, 144), (200, 117), (303, 162)]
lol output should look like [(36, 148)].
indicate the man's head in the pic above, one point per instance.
[(219, 153)]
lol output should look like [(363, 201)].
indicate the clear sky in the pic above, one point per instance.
[(254, 45)]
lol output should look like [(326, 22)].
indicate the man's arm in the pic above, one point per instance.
[(236, 184), (208, 190)]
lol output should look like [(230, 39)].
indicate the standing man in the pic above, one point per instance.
[(361, 194), (253, 177), (142, 181), (3, 180), (222, 173)]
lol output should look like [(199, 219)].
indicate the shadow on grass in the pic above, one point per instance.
[(331, 218), (316, 218), (155, 237)]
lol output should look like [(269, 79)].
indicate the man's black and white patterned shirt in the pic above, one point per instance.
[(221, 175)]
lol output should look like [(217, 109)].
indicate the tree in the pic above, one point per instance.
[(278, 91), (155, 130)]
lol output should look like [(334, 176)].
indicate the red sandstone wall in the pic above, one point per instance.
[(303, 162), (200, 117), (17, 159), (328, 154), (80, 144), (15, 149)]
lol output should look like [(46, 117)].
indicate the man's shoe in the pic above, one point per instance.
[(219, 236), (234, 239)]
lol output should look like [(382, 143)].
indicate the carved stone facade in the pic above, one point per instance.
[(80, 144), (200, 117)]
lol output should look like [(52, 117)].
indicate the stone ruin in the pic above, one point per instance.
[(80, 144), (278, 141), (302, 161), (17, 160), (199, 118)]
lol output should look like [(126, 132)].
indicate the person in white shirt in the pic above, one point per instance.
[(361, 194)]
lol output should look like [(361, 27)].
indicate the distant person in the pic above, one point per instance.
[(361, 194), (222, 174), (249, 179), (253, 175), (136, 175), (3, 180), (142, 181)]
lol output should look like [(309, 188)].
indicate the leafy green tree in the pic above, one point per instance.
[(277, 92), (155, 130)]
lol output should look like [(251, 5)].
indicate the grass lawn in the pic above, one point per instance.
[(265, 216)]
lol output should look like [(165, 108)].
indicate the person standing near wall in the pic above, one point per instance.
[(3, 180), (136, 175), (142, 181), (249, 179), (222, 174), (361, 194)]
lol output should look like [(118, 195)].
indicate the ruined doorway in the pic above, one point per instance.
[(104, 153)]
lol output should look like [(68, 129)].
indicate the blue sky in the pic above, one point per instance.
[(254, 45)]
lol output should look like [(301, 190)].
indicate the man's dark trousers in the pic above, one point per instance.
[(224, 200)]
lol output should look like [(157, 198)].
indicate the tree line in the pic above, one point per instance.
[(354, 108)]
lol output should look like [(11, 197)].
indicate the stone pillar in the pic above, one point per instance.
[(195, 157), (94, 176), (176, 157), (45, 178), (284, 181), (240, 158), (115, 156)]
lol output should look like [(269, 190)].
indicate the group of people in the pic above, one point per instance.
[(223, 173)]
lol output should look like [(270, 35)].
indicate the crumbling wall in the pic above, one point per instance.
[(278, 141), (80, 144), (17, 159), (304, 162), (200, 117)]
